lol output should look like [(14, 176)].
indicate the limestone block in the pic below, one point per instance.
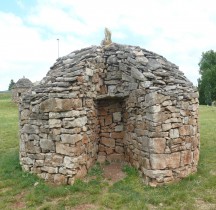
[(49, 169), (144, 161), (158, 161), (70, 130), (149, 75), (71, 139), (157, 173), (112, 59), (174, 133), (72, 113), (173, 160), (119, 128), (28, 161), (132, 86), (85, 139), (155, 98), (78, 122), (24, 114), (25, 137), (109, 150), (117, 116), (162, 161), (108, 119), (54, 123), (46, 144), (22, 146), (154, 109), (39, 162), (57, 160), (157, 145), (31, 148), (167, 103), (117, 135), (171, 108), (89, 103), (196, 156), (186, 157), (136, 74), (111, 89), (140, 132), (64, 149), (101, 148), (89, 72), (119, 149), (68, 162), (56, 132), (166, 126), (195, 142), (141, 59), (126, 77), (108, 142), (35, 137), (30, 129), (145, 84), (56, 105), (184, 130)]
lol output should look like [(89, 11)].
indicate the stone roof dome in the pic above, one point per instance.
[(23, 83), (139, 64)]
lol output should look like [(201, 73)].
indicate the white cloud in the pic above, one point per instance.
[(178, 30), (25, 53)]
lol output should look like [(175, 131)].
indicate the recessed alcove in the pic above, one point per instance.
[(111, 113)]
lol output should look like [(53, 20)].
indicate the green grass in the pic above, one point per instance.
[(18, 190)]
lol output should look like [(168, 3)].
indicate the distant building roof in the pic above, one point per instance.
[(23, 83)]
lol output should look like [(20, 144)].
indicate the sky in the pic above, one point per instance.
[(179, 30)]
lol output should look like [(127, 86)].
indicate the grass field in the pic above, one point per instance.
[(19, 190)]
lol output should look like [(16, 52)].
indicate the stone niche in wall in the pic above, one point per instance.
[(110, 103)]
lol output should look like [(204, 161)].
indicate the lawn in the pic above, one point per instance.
[(19, 190)]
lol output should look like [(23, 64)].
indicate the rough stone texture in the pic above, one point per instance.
[(20, 88), (110, 103)]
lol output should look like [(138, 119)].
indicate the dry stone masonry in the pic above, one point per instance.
[(110, 103), (21, 87)]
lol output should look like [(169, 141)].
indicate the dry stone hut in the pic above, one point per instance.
[(20, 88), (114, 103)]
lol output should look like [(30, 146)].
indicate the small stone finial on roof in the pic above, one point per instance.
[(107, 40)]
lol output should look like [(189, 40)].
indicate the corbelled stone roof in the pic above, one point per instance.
[(125, 65), (23, 83)]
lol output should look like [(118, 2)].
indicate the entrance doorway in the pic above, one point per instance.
[(111, 133)]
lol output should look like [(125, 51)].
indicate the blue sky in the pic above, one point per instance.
[(180, 30)]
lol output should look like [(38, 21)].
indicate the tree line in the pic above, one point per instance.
[(207, 81), (12, 83)]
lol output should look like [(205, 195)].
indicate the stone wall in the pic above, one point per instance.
[(17, 94), (115, 103), (20, 88)]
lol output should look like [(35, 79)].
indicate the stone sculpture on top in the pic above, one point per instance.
[(107, 40)]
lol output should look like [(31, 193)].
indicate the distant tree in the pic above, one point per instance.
[(11, 84), (207, 81)]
